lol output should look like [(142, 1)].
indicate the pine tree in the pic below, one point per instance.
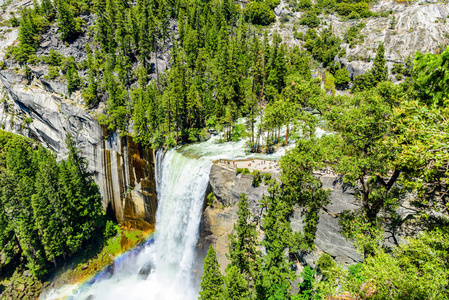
[(44, 202), (27, 30), (236, 286), (380, 69), (67, 21), (243, 244), (211, 280), (279, 240)]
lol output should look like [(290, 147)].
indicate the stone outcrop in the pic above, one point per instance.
[(218, 219), (39, 109), (419, 26)]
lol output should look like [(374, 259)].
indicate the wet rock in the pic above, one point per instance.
[(146, 270)]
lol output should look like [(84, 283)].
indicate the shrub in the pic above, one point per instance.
[(110, 229), (210, 199), (53, 72), (310, 19), (305, 4), (272, 3), (259, 13), (266, 177), (257, 178), (326, 264), (342, 77), (245, 171), (53, 58)]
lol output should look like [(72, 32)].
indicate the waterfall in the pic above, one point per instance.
[(163, 270)]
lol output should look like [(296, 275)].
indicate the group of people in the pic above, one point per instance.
[(254, 164)]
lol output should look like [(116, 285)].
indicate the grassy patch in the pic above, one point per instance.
[(88, 265)]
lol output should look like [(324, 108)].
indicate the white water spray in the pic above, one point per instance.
[(164, 270), (181, 185)]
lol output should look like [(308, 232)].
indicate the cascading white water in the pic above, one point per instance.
[(181, 181), (181, 186)]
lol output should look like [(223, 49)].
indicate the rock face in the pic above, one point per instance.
[(38, 109), (419, 26), (218, 220)]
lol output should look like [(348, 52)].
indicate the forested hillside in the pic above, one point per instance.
[(48, 210), (169, 72)]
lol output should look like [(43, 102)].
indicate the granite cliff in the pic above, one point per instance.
[(218, 219), (124, 171)]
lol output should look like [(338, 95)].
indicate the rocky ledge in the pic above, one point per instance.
[(218, 219)]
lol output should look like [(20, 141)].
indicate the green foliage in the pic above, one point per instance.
[(323, 46), (73, 80), (259, 13), (53, 72), (310, 19), (306, 288), (417, 269), (278, 292), (326, 264), (342, 77), (305, 4), (53, 58), (378, 73), (243, 245), (59, 204), (236, 286), (329, 83), (68, 22), (279, 240), (301, 187), (257, 178), (432, 77), (238, 132), (211, 280), (266, 177), (353, 10), (110, 229), (353, 35), (210, 198), (245, 171)]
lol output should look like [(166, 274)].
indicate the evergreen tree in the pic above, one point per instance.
[(279, 241), (211, 280), (380, 69), (68, 23), (243, 244), (236, 286)]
